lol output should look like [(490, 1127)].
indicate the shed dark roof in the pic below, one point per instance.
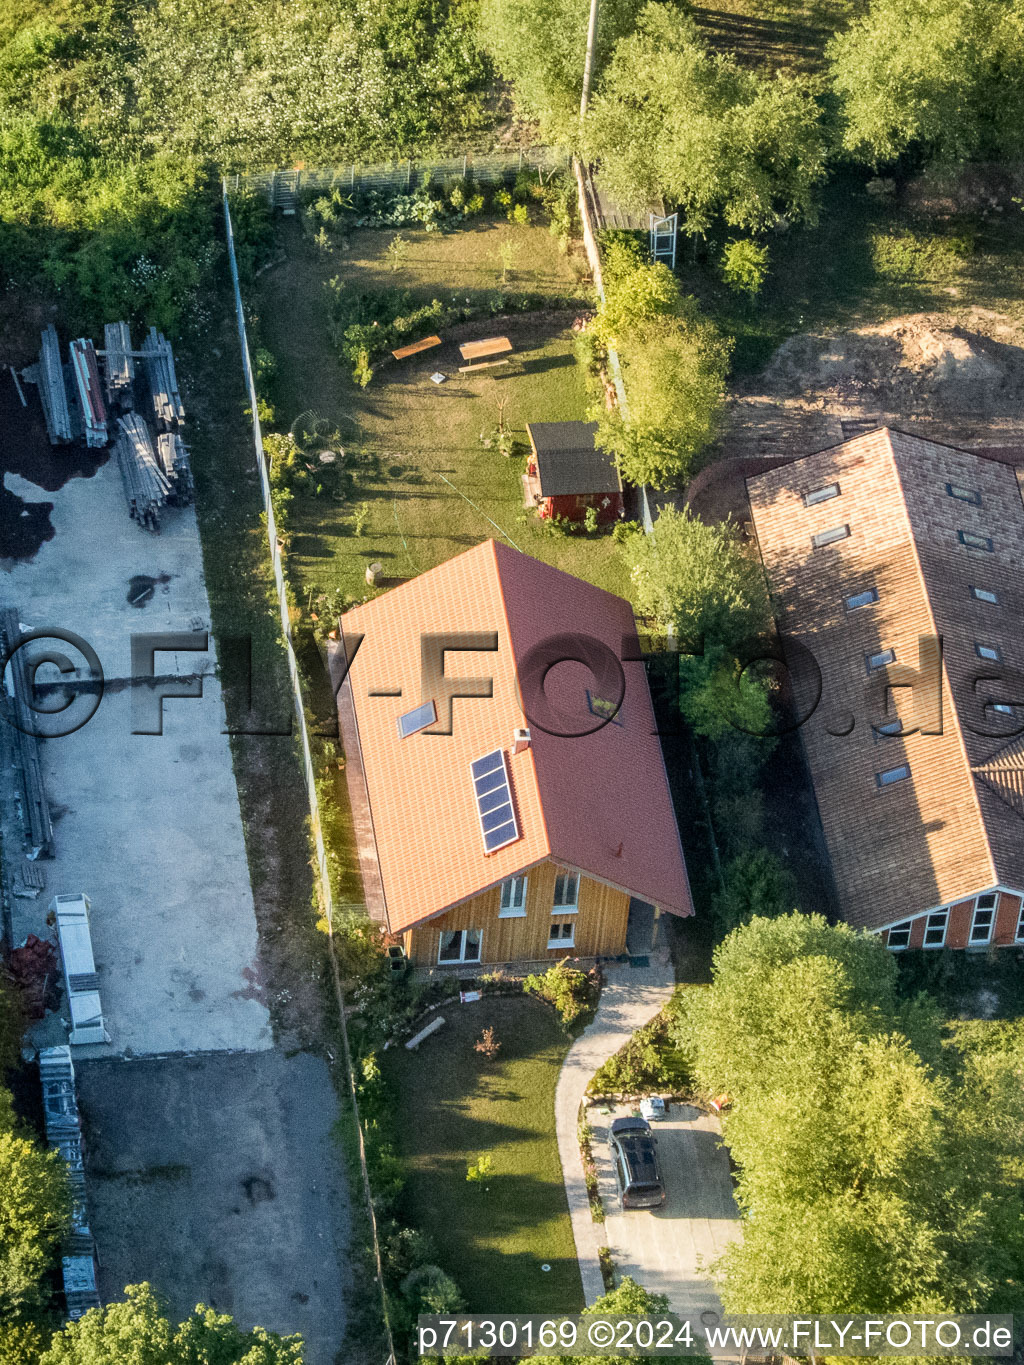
[(569, 462)]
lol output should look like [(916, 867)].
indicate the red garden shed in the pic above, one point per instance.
[(567, 472)]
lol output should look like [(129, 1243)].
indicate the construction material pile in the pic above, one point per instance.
[(52, 390), (146, 486), (117, 346), (17, 709), (173, 460), (158, 360), (85, 370)]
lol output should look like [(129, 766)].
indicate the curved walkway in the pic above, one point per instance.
[(631, 996)]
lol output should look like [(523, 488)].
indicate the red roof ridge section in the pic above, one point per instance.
[(599, 802)]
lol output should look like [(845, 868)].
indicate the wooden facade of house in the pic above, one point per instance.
[(529, 927)]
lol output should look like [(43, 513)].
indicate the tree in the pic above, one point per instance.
[(744, 265), (34, 1215), (672, 122), (874, 1171), (944, 77), (538, 45), (138, 1331), (696, 580), (757, 883)]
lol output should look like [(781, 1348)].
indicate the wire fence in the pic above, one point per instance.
[(282, 187), (323, 876)]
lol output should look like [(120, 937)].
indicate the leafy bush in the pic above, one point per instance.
[(649, 1061), (572, 992), (756, 883), (429, 1290), (744, 265)]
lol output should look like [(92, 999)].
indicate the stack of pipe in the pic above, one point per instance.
[(117, 346), (163, 382), (145, 485), (52, 390), (173, 460)]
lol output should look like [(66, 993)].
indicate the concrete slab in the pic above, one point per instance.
[(669, 1250), (148, 826), (216, 1178)]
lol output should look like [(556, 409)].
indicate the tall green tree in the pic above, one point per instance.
[(673, 122), (138, 1332), (942, 77), (539, 46), (866, 1163), (34, 1216)]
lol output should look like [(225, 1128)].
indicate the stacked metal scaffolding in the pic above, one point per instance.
[(20, 714), (64, 1134), (146, 487), (173, 459), (52, 390), (85, 369), (120, 362), (158, 359)]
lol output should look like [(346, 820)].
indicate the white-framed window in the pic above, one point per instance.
[(417, 719), (822, 494), (861, 599), (830, 536), (899, 936), (935, 929), (974, 541), (882, 659), (459, 945), (890, 775), (513, 898), (984, 919), (1019, 935), (971, 495), (567, 892), (562, 934), (985, 595)]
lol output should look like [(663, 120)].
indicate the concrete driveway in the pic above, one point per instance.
[(668, 1250)]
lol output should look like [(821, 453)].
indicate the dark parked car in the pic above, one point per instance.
[(636, 1163)]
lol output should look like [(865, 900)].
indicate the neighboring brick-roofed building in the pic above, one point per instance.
[(522, 833), (875, 550)]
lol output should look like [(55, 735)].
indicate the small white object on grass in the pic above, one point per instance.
[(438, 377), (545, 1266)]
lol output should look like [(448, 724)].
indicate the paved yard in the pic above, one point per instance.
[(217, 1179), (148, 826), (667, 1250)]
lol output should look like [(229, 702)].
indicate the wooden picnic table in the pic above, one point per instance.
[(416, 347), (476, 350)]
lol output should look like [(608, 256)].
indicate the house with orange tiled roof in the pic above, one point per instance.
[(506, 775), (896, 568)]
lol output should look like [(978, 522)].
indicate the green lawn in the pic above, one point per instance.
[(452, 1107), (432, 490)]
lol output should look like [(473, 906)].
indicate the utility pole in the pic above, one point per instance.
[(588, 67)]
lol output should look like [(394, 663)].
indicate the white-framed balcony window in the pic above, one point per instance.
[(899, 936), (983, 921), (459, 945), (513, 898), (562, 934), (567, 893), (935, 929), (1019, 935)]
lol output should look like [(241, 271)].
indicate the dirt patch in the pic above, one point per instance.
[(957, 379)]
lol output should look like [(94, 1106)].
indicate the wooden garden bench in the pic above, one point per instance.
[(479, 350), (416, 347)]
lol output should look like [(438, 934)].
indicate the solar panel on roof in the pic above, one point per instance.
[(494, 801), (416, 720)]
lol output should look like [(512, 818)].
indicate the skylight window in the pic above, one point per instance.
[(823, 494), (414, 721), (890, 727), (888, 776), (989, 652), (861, 599), (882, 659), (973, 541), (986, 595), (829, 537), (962, 494)]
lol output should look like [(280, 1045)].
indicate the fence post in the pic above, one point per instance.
[(352, 182)]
